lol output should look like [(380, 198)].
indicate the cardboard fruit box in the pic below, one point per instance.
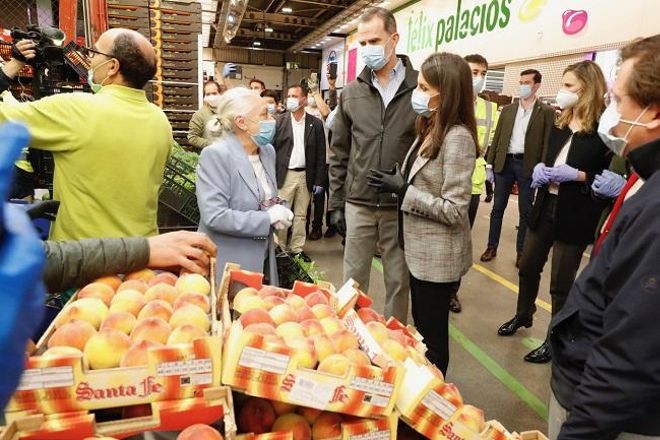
[(216, 404), (259, 368), (65, 384), (267, 436)]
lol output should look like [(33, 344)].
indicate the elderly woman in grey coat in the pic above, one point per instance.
[(236, 186), (434, 190)]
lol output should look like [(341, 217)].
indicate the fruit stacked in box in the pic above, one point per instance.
[(291, 346), (258, 417), (147, 337)]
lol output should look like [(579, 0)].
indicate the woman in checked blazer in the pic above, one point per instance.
[(434, 188)]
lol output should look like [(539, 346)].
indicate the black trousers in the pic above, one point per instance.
[(472, 209), (318, 205), (566, 258), (430, 310)]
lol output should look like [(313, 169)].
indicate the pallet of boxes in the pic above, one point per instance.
[(126, 355)]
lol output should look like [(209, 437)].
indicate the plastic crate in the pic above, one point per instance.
[(288, 270), (178, 190)]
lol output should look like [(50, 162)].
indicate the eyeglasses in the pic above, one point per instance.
[(91, 53)]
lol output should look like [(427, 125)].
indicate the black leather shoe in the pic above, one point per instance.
[(510, 327), (539, 356), (315, 235), (330, 232), (518, 258), (455, 304)]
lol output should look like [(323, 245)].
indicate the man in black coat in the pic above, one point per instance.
[(300, 165), (606, 339)]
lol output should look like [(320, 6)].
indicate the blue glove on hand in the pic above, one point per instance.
[(540, 175), (229, 69), (608, 185), (490, 176), (317, 190), (563, 173)]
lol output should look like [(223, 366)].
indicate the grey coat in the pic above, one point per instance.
[(436, 229), (228, 196)]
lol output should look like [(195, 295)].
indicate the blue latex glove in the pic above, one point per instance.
[(317, 190), (608, 185), (21, 263), (229, 69), (490, 176), (540, 175), (563, 173)]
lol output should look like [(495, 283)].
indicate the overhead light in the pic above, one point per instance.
[(287, 10), (268, 29), (231, 18), (338, 30), (257, 43)]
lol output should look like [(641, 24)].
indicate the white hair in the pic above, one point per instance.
[(237, 101)]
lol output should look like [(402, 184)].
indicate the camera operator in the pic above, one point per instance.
[(110, 147), (22, 51)]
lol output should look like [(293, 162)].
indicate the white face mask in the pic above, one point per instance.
[(212, 100), (525, 91), (566, 99), (478, 83), (610, 119)]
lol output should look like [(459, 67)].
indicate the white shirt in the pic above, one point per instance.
[(517, 143), (297, 159), (262, 177), (560, 160)]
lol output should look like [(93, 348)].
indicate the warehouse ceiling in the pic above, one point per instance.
[(283, 24)]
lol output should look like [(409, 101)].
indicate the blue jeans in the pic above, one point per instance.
[(512, 172)]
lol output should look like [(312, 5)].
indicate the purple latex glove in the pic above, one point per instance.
[(540, 175), (608, 185), (317, 190), (563, 173), (490, 176)]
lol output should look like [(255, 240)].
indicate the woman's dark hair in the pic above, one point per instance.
[(451, 76), (213, 83)]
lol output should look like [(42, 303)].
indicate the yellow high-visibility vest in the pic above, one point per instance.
[(486, 115)]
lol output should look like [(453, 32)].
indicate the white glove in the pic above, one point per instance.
[(280, 216)]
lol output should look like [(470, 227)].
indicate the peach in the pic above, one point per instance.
[(199, 432), (272, 301), (201, 301), (130, 301), (312, 327), (324, 347), (394, 349), (273, 341), (162, 291), (295, 301), (294, 423), (256, 416), (282, 407), (310, 414), (290, 330), (283, 313), (305, 313), (61, 351), (185, 334), (304, 354), (260, 328), (344, 340), (138, 354), (190, 314), (331, 325), (472, 418), (110, 280), (367, 314), (92, 310), (377, 330), (106, 349), (357, 357), (256, 316), (322, 311), (97, 290), (74, 333), (193, 282), (122, 321), (142, 275), (401, 337), (242, 296), (315, 298), (267, 291), (157, 308), (138, 285), (335, 364), (327, 426), (151, 329), (163, 277)]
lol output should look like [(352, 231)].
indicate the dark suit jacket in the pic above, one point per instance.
[(536, 138), (314, 149), (577, 211)]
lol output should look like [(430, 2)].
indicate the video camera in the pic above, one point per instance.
[(48, 43)]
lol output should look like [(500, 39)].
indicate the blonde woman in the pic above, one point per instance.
[(236, 186), (565, 213)]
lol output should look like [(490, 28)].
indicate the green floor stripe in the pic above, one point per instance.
[(532, 343), (491, 365)]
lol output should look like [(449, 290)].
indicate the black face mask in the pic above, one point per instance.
[(645, 159)]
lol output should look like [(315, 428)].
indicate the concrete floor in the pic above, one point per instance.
[(487, 368)]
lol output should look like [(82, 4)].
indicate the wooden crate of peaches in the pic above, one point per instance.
[(126, 341)]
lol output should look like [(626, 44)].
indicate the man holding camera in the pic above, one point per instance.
[(110, 147), (21, 52)]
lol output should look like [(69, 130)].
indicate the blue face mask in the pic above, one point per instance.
[(266, 133), (271, 109), (374, 57), (292, 104), (420, 103), (525, 91)]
